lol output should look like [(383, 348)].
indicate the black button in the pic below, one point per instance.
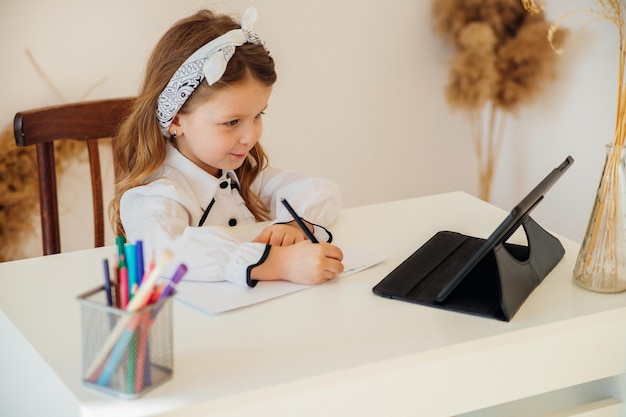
[(232, 222), (223, 184)]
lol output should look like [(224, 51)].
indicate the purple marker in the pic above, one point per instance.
[(169, 288), (178, 275)]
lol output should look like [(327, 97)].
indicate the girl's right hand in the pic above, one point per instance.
[(303, 263)]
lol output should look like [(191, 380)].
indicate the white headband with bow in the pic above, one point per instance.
[(209, 62)]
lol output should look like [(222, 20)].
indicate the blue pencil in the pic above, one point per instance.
[(130, 251), (115, 358), (140, 261)]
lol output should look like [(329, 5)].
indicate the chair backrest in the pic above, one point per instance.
[(87, 121)]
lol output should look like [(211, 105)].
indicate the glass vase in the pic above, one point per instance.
[(601, 262)]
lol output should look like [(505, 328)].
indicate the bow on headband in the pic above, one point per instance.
[(209, 62)]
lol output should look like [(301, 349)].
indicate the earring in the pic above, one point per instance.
[(174, 135)]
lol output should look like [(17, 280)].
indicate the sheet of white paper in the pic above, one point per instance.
[(218, 297)]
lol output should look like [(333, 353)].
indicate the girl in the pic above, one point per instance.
[(190, 165)]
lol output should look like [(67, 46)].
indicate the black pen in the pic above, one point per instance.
[(298, 220)]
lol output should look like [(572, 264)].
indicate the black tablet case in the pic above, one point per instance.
[(457, 272)]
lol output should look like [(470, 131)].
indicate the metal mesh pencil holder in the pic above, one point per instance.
[(125, 354)]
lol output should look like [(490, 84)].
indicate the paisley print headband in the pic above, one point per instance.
[(209, 62)]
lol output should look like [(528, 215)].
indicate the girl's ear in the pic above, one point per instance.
[(175, 126)]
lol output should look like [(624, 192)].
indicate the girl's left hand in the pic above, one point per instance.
[(283, 234)]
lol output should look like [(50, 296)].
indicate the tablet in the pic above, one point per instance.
[(510, 224), (451, 260)]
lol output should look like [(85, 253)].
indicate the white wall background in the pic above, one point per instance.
[(359, 97)]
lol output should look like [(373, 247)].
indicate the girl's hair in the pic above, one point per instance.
[(139, 147)]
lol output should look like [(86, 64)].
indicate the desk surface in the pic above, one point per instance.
[(335, 349)]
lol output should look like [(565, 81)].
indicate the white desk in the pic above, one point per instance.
[(332, 350)]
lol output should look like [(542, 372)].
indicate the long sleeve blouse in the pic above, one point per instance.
[(187, 210)]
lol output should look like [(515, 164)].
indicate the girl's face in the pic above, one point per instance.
[(218, 133)]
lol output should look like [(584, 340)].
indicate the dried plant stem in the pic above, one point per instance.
[(487, 145), (51, 85), (609, 189), (44, 76), (613, 11), (608, 193), (85, 95), (475, 122), (620, 117)]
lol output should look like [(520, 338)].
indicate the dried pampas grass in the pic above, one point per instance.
[(18, 194), (19, 190), (501, 62)]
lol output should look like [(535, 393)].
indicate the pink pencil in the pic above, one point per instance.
[(123, 283), (140, 369)]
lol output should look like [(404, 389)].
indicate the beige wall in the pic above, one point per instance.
[(359, 97)]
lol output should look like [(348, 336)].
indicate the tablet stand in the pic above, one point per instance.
[(481, 276), (516, 272), (518, 280), (496, 286)]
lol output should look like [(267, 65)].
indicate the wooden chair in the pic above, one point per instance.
[(86, 121)]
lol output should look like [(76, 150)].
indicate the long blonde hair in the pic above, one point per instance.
[(139, 147)]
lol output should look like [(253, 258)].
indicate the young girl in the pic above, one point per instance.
[(190, 165)]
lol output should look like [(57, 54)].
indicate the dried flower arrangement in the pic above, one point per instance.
[(19, 193), (601, 262), (501, 62)]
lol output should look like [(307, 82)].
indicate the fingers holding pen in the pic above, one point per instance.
[(331, 258), (332, 252), (304, 263)]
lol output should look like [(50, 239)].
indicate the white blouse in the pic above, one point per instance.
[(190, 212)]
